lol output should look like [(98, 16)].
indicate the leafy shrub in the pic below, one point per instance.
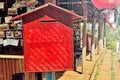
[(111, 44)]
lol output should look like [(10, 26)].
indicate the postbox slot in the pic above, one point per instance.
[(51, 20)]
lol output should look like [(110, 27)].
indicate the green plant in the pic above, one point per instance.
[(111, 44), (112, 67), (96, 74), (98, 67), (119, 60)]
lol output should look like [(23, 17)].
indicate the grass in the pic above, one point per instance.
[(111, 44), (96, 74), (119, 60), (112, 68), (101, 61), (98, 67)]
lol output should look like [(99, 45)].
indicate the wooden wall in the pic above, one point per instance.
[(9, 66)]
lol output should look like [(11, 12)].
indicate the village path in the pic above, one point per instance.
[(103, 71), (108, 67), (115, 66), (103, 67), (88, 70)]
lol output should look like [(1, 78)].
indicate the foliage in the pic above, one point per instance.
[(112, 67), (111, 36), (111, 44)]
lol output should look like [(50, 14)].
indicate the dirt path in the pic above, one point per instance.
[(105, 67), (108, 67), (115, 70)]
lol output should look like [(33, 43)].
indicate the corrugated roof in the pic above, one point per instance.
[(74, 16)]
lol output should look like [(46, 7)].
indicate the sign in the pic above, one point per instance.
[(1, 5)]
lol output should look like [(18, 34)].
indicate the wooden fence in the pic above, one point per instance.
[(10, 65)]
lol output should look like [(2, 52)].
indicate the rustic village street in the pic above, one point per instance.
[(115, 66), (104, 67), (108, 68)]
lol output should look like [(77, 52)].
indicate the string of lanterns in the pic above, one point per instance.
[(107, 6)]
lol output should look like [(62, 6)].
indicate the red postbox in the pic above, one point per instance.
[(48, 39)]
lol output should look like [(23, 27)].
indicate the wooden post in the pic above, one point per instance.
[(80, 32), (84, 33), (100, 41), (104, 34), (93, 35)]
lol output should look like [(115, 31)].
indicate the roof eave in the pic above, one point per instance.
[(73, 15)]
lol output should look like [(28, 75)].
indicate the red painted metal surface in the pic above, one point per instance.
[(105, 4), (48, 46)]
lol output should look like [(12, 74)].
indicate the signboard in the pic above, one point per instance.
[(1, 5)]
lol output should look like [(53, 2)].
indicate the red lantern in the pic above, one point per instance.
[(105, 4)]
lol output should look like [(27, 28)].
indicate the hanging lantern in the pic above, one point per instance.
[(105, 4)]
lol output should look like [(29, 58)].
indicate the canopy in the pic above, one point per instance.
[(105, 4)]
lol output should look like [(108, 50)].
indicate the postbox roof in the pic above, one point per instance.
[(72, 14)]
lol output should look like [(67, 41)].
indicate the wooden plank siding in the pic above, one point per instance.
[(9, 66), (1, 70), (4, 69)]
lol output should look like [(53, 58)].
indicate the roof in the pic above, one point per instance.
[(74, 16)]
